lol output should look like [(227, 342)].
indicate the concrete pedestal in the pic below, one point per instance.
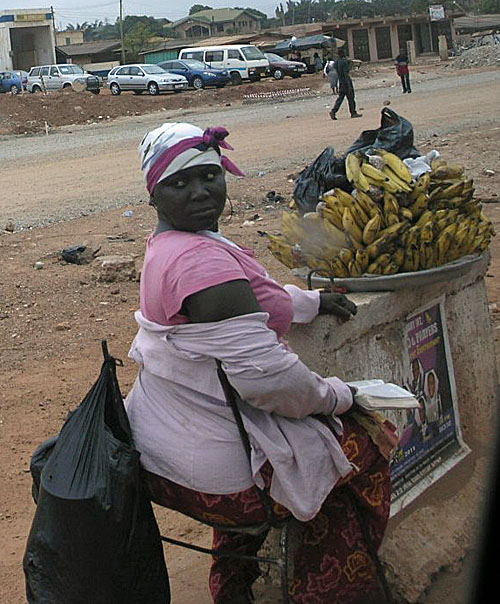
[(441, 525)]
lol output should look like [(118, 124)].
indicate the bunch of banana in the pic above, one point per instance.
[(389, 223)]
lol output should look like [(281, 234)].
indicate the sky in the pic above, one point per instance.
[(78, 11)]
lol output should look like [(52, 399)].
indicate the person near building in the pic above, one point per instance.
[(403, 70), (346, 87), (330, 73), (204, 298), (317, 62)]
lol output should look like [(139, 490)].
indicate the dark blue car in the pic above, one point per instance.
[(10, 82), (198, 74)]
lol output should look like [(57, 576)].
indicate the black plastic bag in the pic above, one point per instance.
[(328, 170), (94, 537), (395, 135)]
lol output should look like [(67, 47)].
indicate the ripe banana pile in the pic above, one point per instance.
[(389, 224)]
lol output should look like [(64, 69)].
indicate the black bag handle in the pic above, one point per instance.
[(232, 397)]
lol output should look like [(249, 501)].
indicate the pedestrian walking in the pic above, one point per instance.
[(332, 76), (346, 87), (403, 70), (317, 62)]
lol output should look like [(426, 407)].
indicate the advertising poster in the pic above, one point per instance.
[(436, 12), (430, 437)]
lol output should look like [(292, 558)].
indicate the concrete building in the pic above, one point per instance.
[(26, 38), (69, 37), (381, 38), (216, 22)]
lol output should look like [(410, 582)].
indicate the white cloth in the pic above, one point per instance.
[(185, 431), (167, 135)]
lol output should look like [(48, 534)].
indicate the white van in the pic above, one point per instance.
[(242, 61)]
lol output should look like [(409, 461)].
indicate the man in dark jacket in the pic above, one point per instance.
[(403, 70), (345, 86)]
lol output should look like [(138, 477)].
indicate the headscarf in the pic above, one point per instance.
[(177, 146)]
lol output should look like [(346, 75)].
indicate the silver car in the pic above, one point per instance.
[(65, 75), (142, 77)]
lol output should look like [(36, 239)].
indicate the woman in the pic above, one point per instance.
[(205, 298), (403, 70)]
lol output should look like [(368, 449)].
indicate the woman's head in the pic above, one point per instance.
[(184, 171)]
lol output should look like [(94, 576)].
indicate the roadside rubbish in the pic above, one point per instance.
[(79, 254)]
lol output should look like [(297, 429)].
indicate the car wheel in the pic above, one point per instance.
[(35, 89), (115, 89), (296, 75), (197, 83), (153, 88), (138, 91), (14, 89), (66, 86), (235, 78), (278, 74)]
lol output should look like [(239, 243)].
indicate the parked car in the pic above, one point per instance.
[(143, 77), (280, 67), (10, 82), (24, 77), (62, 76), (198, 74), (242, 61)]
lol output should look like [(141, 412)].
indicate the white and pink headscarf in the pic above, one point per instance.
[(177, 146)]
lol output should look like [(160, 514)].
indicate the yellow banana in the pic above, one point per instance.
[(366, 202), (346, 255), (351, 227), (332, 216), (391, 204), (398, 256), (355, 269), (373, 173), (362, 259), (376, 248), (338, 268), (354, 174), (393, 230), (452, 191), (396, 165), (390, 269), (391, 219), (345, 198), (411, 261), (447, 171), (425, 217), (427, 232), (420, 204), (406, 214), (371, 229)]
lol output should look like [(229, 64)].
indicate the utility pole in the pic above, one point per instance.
[(121, 34)]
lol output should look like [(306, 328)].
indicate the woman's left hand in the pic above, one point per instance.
[(336, 304)]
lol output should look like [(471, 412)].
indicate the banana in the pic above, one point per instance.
[(421, 186), (452, 191), (413, 236), (396, 165), (330, 215), (354, 174), (391, 219), (345, 198), (384, 259), (394, 230), (346, 255), (378, 247), (338, 268), (355, 269), (284, 252), (362, 259), (447, 171), (373, 173), (442, 245), (411, 261), (371, 229), (437, 162), (391, 205), (374, 268), (425, 217), (351, 227), (359, 215), (352, 167), (390, 269), (395, 181), (406, 214), (399, 256), (427, 232), (420, 204), (366, 202)]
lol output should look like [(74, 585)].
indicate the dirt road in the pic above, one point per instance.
[(52, 320)]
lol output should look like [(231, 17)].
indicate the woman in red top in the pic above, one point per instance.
[(403, 71)]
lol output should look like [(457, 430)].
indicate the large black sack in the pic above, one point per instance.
[(328, 170), (395, 135), (94, 537)]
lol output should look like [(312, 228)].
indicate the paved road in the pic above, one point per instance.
[(81, 169)]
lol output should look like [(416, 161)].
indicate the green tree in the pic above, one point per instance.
[(489, 7), (196, 8), (136, 39)]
